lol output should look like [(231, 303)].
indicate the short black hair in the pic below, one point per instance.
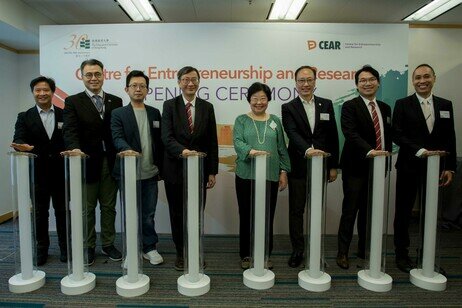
[(186, 70), (257, 87), (369, 69), (91, 62), (424, 65), (136, 73), (305, 67), (50, 82)]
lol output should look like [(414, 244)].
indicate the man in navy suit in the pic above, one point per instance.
[(188, 125), (309, 122), (39, 131), (422, 124), (366, 125), (87, 120), (136, 130)]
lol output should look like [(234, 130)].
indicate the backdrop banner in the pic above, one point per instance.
[(230, 57)]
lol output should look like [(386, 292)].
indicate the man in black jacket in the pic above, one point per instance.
[(39, 131)]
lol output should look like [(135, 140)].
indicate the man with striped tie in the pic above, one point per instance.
[(188, 125), (422, 123), (366, 125)]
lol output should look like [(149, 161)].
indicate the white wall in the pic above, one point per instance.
[(437, 47)]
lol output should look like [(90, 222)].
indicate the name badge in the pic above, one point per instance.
[(444, 114), (60, 125), (324, 116), (273, 125), (155, 124)]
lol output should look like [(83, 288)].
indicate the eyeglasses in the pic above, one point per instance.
[(90, 75), (186, 81), (301, 82), (370, 80), (258, 99), (138, 86)]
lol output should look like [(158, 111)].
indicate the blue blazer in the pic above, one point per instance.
[(126, 135)]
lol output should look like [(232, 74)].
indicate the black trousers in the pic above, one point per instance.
[(244, 201), (44, 190), (355, 196), (408, 184), (297, 202), (174, 192)]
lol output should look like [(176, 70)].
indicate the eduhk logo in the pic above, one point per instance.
[(324, 45)]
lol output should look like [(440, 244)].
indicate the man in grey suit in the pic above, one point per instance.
[(87, 119), (136, 130)]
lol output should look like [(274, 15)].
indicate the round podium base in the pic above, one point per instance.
[(19, 285), (258, 282), (72, 287), (132, 289), (309, 283), (198, 288), (382, 284), (435, 283)]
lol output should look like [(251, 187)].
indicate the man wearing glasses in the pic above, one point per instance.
[(188, 126), (87, 118), (136, 130), (309, 122), (366, 125)]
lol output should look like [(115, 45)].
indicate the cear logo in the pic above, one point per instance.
[(311, 45), (324, 45)]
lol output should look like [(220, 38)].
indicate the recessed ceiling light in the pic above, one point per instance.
[(286, 9), (433, 10), (139, 10)]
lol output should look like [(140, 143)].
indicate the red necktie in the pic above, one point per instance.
[(378, 135), (189, 114)]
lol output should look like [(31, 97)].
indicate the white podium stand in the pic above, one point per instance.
[(133, 282), (79, 280), (313, 278), (373, 277), (27, 277), (425, 276), (193, 282), (258, 276)]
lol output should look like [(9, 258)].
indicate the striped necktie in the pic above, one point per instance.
[(189, 115), (375, 120)]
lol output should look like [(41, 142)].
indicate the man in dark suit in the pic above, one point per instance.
[(87, 119), (366, 125), (309, 122), (39, 131), (422, 124), (188, 125), (136, 130)]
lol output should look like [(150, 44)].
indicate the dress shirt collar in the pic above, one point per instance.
[(366, 101), (91, 94), (193, 102), (311, 101), (428, 99), (40, 110)]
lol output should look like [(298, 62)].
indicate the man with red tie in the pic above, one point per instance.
[(366, 125), (188, 125)]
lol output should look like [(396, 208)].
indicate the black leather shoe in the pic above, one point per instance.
[(112, 253), (90, 256), (63, 256), (295, 259), (42, 257), (179, 264), (405, 264), (342, 261)]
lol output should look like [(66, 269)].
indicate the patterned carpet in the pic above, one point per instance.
[(227, 289)]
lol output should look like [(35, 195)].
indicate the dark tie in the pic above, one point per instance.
[(375, 120), (190, 120), (98, 103)]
